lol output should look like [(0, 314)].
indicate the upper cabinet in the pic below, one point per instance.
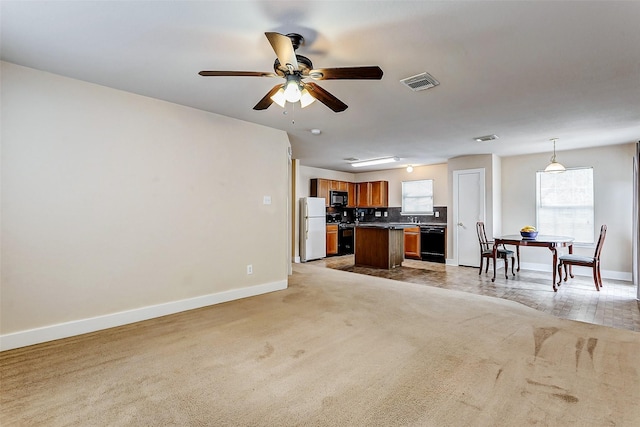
[(320, 188), (351, 188), (379, 194), (373, 194), (338, 186)]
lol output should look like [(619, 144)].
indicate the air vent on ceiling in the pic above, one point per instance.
[(420, 82), (486, 138)]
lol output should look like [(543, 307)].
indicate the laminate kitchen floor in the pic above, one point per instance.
[(577, 299)]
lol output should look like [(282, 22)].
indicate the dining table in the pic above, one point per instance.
[(548, 241)]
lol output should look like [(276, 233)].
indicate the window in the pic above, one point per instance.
[(417, 197), (564, 204)]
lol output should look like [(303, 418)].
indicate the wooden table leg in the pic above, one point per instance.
[(518, 256), (555, 264), (495, 251), (570, 266)]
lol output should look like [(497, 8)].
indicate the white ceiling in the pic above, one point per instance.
[(527, 71)]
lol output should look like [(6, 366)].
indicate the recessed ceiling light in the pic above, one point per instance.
[(485, 138), (315, 131)]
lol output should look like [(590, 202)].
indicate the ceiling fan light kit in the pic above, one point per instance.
[(373, 162), (306, 98), (294, 68), (554, 166)]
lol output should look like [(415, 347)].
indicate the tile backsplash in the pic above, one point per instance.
[(393, 215)]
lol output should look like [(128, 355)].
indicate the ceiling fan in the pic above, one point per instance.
[(294, 68)]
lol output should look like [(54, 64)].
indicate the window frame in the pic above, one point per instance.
[(428, 195), (572, 206)]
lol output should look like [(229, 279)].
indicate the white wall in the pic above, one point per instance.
[(613, 190), (117, 207)]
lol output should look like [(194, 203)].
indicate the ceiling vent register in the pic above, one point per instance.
[(420, 82)]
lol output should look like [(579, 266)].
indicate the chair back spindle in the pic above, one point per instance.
[(603, 234), (485, 245)]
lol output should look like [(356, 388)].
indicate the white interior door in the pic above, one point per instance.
[(468, 208)]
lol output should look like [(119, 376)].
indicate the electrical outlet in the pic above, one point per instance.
[(266, 200), (437, 214), (378, 214), (249, 269), (386, 214)]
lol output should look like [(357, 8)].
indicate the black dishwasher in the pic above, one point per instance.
[(433, 243)]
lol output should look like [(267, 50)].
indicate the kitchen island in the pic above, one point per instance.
[(380, 245)]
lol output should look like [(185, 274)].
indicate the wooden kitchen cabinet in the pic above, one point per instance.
[(351, 189), (363, 194), (320, 188), (412, 243), (338, 186), (373, 194), (323, 187), (380, 194), (332, 239)]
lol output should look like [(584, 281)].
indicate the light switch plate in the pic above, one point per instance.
[(266, 200)]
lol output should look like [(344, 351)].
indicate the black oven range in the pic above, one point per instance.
[(345, 238)]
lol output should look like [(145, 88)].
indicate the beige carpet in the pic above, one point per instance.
[(335, 349)]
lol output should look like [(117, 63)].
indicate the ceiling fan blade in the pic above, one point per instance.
[(325, 97), (266, 102), (353, 73), (283, 48), (237, 74)]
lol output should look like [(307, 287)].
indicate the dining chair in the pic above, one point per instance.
[(569, 260), (486, 251)]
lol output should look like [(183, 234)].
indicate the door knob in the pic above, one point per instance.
[(460, 224)]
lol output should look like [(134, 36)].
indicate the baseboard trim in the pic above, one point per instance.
[(93, 324), (581, 271), (577, 270)]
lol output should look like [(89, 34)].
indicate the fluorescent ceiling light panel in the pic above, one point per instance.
[(373, 162)]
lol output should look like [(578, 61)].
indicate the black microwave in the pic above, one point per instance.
[(338, 198)]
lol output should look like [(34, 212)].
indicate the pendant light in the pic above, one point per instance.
[(554, 166)]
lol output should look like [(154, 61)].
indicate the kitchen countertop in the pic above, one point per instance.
[(389, 225), (400, 224)]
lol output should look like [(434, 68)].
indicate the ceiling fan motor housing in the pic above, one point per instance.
[(304, 66), (296, 40)]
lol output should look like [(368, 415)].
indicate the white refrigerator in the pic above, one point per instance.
[(313, 233)]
